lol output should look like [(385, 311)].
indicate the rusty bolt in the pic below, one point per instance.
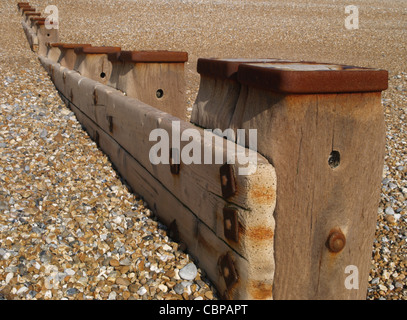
[(336, 241), (227, 181), (228, 270)]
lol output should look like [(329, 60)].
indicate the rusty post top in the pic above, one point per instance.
[(53, 44), (21, 6), (28, 9), (39, 22), (96, 50), (225, 68), (152, 56), (32, 13), (312, 77), (73, 45), (37, 18)]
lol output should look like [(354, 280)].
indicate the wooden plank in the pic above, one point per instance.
[(133, 119), (203, 243)]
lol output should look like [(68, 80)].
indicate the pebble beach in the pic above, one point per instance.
[(70, 227)]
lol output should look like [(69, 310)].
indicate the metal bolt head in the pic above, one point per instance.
[(336, 241)]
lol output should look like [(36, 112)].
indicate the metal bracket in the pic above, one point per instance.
[(227, 181), (228, 270)]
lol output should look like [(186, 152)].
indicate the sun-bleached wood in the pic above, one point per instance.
[(193, 198)]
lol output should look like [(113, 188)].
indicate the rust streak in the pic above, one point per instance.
[(260, 290), (262, 195), (259, 233)]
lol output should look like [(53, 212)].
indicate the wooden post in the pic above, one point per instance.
[(218, 91), (32, 22), (26, 9), (29, 15), (322, 128), (44, 36), (91, 62), (22, 5), (154, 77), (68, 56), (53, 51)]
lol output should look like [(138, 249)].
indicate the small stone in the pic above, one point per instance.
[(126, 295), (125, 262), (389, 211), (43, 133), (112, 295), (141, 291), (22, 290), (114, 263), (189, 272), (122, 281), (179, 288), (390, 218), (72, 291), (9, 277), (133, 288), (69, 271), (375, 280), (163, 287), (48, 294), (209, 295)]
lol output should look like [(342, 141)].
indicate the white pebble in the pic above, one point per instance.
[(22, 290), (163, 287), (9, 277), (141, 291)]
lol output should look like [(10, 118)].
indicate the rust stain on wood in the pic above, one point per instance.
[(205, 244), (262, 195), (260, 290), (258, 233)]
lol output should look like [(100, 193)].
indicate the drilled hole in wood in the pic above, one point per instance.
[(159, 93), (48, 34), (102, 75), (334, 159)]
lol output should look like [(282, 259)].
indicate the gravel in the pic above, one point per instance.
[(71, 229)]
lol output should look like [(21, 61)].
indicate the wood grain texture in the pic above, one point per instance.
[(297, 135), (202, 243), (143, 81), (215, 102)]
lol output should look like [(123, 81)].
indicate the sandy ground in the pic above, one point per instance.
[(298, 30)]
